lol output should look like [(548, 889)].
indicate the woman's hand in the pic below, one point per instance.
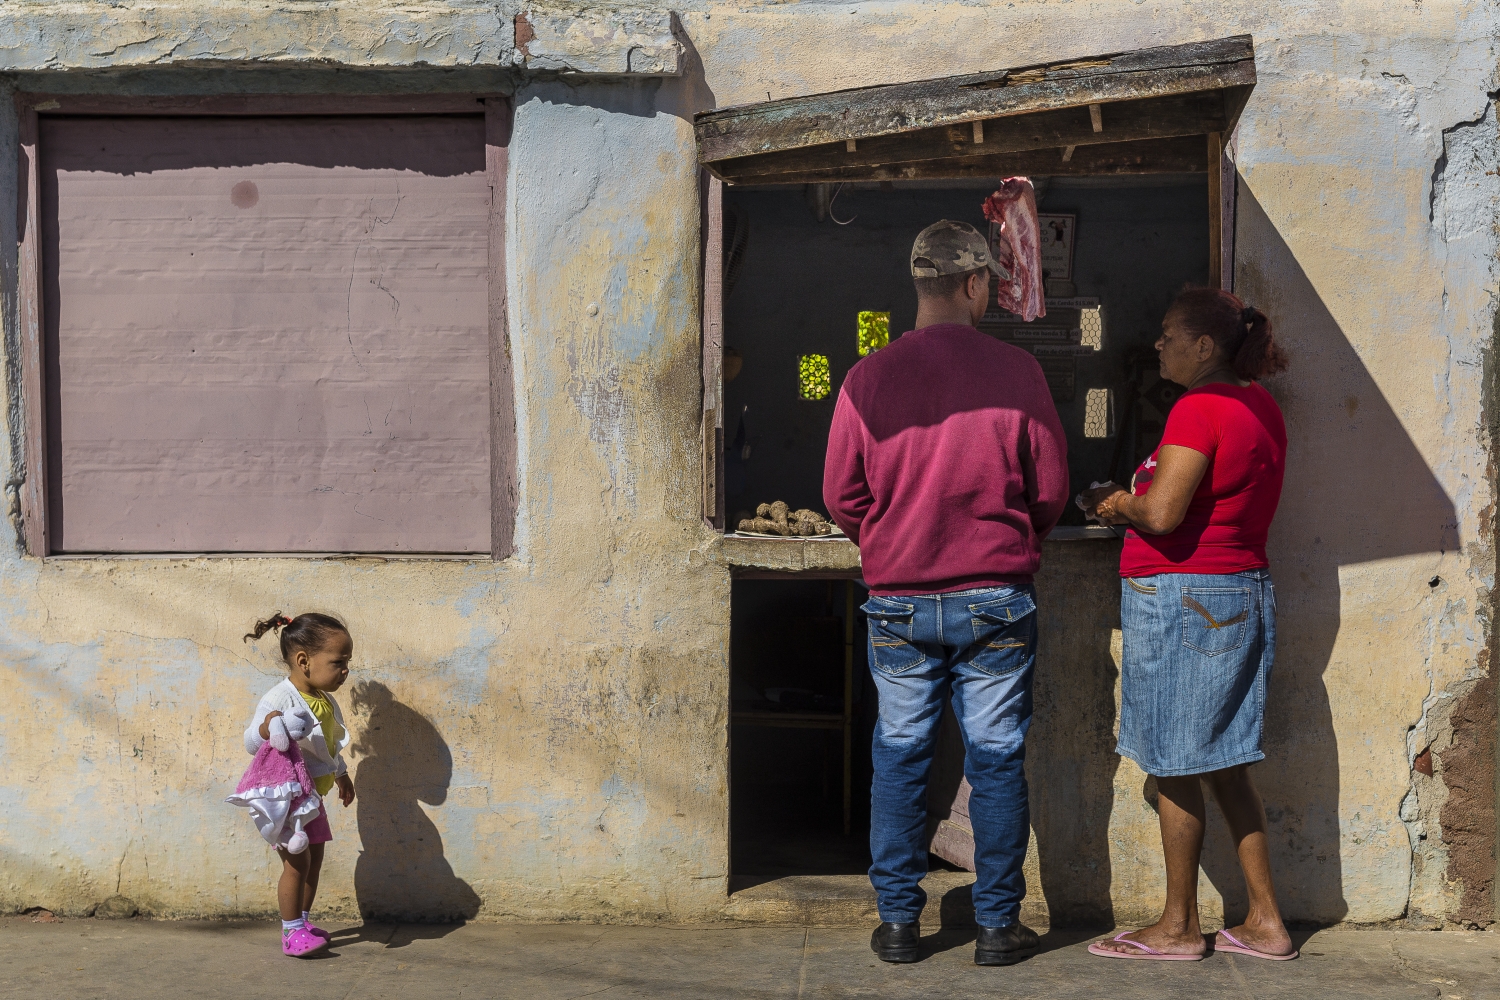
[(1099, 503), (1162, 507), (346, 788)]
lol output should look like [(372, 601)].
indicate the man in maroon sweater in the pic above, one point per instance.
[(947, 465)]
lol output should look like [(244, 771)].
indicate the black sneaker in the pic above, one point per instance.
[(896, 942), (1005, 945)]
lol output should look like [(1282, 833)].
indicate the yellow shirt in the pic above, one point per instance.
[(333, 733)]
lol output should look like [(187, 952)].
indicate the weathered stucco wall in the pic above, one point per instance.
[(578, 689), (557, 720)]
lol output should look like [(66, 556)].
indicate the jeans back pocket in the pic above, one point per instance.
[(891, 647), (1214, 619), (1004, 633)]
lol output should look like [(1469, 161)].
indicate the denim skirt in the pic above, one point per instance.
[(1198, 653)]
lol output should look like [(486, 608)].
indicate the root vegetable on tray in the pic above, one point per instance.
[(779, 519)]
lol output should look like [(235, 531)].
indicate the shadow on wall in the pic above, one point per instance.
[(401, 873), (681, 96), (1344, 440), (130, 145)]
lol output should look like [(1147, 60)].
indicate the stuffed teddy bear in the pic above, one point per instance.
[(276, 788), (288, 729)]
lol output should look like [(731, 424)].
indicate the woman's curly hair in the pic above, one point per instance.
[(1242, 333)]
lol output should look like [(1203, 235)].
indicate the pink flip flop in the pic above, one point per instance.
[(1146, 953), (1238, 947)]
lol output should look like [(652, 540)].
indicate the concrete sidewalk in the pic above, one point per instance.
[(133, 958)]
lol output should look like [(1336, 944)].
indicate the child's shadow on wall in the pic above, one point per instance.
[(401, 874)]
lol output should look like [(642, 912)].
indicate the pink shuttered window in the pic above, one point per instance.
[(267, 334)]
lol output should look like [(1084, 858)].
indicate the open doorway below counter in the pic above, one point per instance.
[(801, 717)]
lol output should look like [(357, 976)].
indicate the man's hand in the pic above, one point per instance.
[(346, 789)]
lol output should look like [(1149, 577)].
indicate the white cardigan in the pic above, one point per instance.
[(320, 758)]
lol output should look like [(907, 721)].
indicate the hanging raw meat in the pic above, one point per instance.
[(1016, 242)]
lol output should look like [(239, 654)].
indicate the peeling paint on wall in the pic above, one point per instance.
[(1464, 201), (1468, 815)]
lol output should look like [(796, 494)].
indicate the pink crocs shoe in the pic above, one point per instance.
[(299, 943), (318, 931)]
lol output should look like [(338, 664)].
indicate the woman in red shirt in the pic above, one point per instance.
[(1198, 614)]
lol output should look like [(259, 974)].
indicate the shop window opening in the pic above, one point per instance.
[(1138, 240), (874, 332)]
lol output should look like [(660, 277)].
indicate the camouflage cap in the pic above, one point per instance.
[(949, 247)]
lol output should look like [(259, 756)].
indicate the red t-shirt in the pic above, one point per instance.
[(1241, 431)]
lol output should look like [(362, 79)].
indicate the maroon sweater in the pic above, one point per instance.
[(947, 464)]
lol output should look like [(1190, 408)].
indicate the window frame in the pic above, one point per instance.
[(498, 111), (1182, 105), (711, 195)]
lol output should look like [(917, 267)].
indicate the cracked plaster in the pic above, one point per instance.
[(582, 40), (70, 35)]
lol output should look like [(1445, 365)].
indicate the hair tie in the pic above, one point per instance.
[(1247, 315)]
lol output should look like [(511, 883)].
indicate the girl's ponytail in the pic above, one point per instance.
[(276, 621), (310, 630)]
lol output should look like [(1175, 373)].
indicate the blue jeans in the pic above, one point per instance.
[(980, 647)]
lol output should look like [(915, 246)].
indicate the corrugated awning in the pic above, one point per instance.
[(1128, 112)]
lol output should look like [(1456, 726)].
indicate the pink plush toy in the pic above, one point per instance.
[(276, 788)]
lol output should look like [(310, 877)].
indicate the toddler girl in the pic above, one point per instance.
[(316, 649)]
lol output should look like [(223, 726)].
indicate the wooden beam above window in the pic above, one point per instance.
[(1179, 155), (1153, 118), (908, 129)]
